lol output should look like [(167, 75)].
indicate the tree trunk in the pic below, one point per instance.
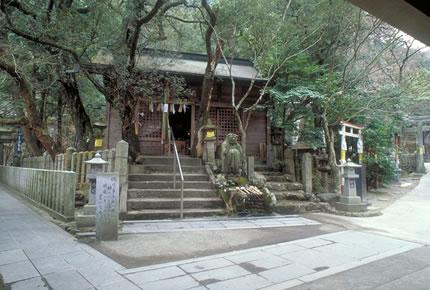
[(334, 169), (129, 129), (59, 138), (209, 77), (32, 144), (80, 118)]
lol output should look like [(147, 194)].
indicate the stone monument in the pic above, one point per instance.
[(107, 206), (349, 201), (232, 156)]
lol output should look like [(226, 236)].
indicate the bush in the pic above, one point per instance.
[(380, 169)]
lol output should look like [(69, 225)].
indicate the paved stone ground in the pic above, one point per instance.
[(140, 227), (137, 250), (408, 271), (407, 218), (36, 254), (272, 267)]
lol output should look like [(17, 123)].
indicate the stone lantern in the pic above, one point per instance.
[(209, 138), (349, 201), (99, 134), (95, 166)]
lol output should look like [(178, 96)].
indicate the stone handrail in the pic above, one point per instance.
[(52, 190)]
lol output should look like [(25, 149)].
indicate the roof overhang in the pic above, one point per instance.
[(189, 65), (410, 16)]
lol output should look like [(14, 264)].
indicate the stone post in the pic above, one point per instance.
[(121, 166), (250, 167), (107, 206), (1, 153), (289, 160), (307, 172), (68, 158), (420, 149)]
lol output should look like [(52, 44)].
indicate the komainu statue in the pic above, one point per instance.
[(232, 156)]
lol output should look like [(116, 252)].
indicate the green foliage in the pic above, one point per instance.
[(300, 103)]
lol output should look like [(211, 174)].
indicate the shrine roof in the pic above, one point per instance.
[(188, 63)]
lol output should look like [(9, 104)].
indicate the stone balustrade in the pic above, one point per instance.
[(52, 190)]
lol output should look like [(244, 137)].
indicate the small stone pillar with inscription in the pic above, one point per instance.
[(349, 201), (107, 206)]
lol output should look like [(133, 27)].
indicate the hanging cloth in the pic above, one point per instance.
[(159, 107), (172, 108), (151, 107), (180, 107), (165, 108)]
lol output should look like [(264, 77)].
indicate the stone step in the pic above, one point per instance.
[(298, 207), (290, 195), (279, 178), (168, 160), (166, 177), (261, 167), (164, 168), (270, 173), (284, 186), (170, 193), (169, 184), (84, 221), (174, 203), (172, 213)]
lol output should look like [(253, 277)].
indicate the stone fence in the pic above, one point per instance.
[(51, 190), (73, 161)]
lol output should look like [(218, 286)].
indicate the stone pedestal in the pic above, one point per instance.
[(349, 201), (107, 206), (209, 152)]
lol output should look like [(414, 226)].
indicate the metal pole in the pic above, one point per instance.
[(174, 172), (170, 141), (182, 199)]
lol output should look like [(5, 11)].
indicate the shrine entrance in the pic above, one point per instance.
[(181, 127)]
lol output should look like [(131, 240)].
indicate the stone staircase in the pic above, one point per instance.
[(151, 194), (291, 199)]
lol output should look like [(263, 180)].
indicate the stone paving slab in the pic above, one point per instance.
[(36, 254), (276, 266), (161, 226)]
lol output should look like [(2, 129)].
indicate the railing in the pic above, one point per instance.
[(177, 164), (52, 190)]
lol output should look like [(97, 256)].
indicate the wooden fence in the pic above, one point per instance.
[(52, 190)]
